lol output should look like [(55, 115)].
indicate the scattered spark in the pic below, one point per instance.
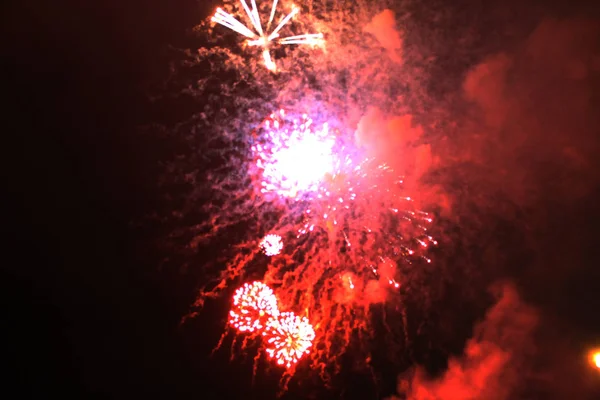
[(353, 234), (293, 157), (253, 304), (265, 37), (288, 338)]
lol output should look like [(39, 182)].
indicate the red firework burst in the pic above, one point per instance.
[(288, 338), (253, 304), (353, 234)]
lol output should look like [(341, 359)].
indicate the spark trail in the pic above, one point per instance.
[(352, 233), (264, 38), (287, 336), (253, 304)]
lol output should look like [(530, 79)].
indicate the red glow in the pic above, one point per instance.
[(595, 358), (288, 337)]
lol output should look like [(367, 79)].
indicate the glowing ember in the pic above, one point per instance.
[(271, 244), (288, 337), (264, 38), (253, 304), (293, 157), (596, 359)]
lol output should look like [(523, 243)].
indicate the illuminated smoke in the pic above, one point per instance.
[(494, 360), (352, 229), (341, 256), (383, 27), (351, 216)]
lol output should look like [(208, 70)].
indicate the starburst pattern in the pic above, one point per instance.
[(264, 37), (288, 338), (253, 304), (353, 230), (292, 156), (271, 244)]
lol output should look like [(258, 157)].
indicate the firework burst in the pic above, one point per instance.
[(355, 240), (292, 157), (271, 244), (353, 234), (253, 305), (263, 36), (288, 338)]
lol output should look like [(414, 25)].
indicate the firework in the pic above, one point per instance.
[(271, 244), (364, 203), (288, 338), (353, 222), (264, 37), (355, 237), (356, 242), (253, 305), (292, 156)]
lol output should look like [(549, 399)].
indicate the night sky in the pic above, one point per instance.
[(87, 310)]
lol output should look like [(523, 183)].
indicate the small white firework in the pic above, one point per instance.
[(271, 244), (264, 38)]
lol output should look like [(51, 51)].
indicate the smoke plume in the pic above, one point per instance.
[(494, 359)]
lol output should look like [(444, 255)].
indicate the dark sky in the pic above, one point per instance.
[(86, 312), (83, 317)]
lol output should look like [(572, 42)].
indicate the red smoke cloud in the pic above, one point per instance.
[(392, 138), (486, 85), (530, 132), (535, 121), (397, 141), (533, 130), (494, 359), (383, 27)]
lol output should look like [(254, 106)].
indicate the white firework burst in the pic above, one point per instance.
[(264, 37)]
